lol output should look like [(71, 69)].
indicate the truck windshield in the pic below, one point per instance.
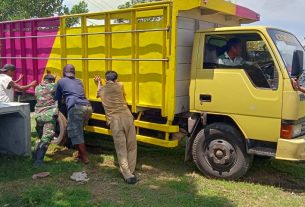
[(286, 44)]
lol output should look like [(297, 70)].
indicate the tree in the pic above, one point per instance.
[(9, 10), (38, 9), (133, 2), (82, 7), (25, 9)]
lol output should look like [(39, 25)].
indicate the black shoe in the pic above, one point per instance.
[(136, 176), (39, 153), (132, 180), (34, 151)]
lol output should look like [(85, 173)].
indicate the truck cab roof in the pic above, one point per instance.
[(239, 28)]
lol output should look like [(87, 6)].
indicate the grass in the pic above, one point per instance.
[(165, 181)]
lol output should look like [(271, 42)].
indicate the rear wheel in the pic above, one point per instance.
[(219, 151), (61, 130)]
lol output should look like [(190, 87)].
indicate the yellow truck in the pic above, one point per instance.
[(167, 56)]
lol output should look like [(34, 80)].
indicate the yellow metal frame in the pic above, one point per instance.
[(164, 9), (63, 41), (141, 138), (140, 124)]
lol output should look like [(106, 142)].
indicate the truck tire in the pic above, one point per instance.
[(219, 151), (61, 130)]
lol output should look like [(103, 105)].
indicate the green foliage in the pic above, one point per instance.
[(25, 9), (256, 46), (133, 2), (80, 8)]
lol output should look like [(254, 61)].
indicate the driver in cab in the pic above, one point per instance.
[(232, 55), (232, 58)]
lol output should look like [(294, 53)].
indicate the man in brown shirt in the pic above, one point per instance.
[(121, 124)]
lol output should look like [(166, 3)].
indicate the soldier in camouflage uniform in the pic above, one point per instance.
[(45, 115)]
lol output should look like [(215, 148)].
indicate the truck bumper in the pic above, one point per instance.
[(291, 149)]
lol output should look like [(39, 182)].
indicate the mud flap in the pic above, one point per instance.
[(190, 141)]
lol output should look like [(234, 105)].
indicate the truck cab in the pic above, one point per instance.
[(247, 104)]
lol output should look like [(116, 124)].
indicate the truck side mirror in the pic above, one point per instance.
[(297, 64)]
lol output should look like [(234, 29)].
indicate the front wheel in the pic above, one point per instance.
[(219, 151)]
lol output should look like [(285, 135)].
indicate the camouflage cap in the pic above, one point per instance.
[(49, 77)]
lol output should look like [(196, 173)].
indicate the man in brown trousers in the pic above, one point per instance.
[(121, 124)]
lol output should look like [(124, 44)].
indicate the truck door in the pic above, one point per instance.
[(246, 87)]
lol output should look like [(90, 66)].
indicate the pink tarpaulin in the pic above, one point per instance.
[(22, 44), (246, 13)]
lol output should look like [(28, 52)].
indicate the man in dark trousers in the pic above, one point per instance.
[(121, 124), (79, 109)]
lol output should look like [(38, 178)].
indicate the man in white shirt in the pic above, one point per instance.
[(232, 57), (7, 85)]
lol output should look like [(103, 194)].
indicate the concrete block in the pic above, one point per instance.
[(15, 129)]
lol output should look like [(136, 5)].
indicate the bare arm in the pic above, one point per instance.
[(296, 85), (99, 86), (19, 79), (97, 79), (302, 89), (18, 87)]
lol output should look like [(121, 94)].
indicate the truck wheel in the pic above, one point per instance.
[(61, 130), (219, 151)]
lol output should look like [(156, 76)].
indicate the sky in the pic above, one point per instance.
[(284, 14), (97, 5)]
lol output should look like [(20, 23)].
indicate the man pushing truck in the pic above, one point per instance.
[(46, 113), (120, 120), (7, 85)]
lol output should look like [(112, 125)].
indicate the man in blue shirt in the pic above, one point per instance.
[(79, 109)]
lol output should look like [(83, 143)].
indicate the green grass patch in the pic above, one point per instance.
[(49, 195), (165, 181)]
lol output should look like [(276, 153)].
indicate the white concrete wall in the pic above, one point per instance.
[(186, 28)]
